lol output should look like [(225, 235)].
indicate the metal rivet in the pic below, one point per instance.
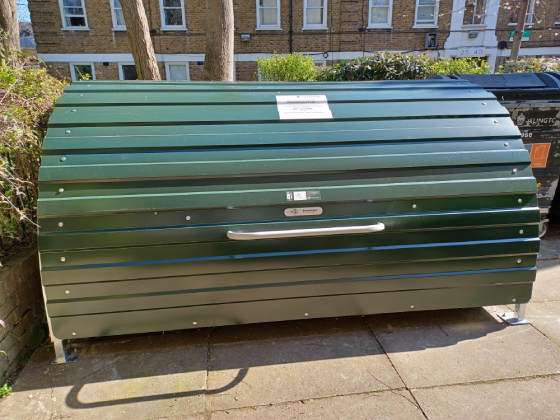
[(61, 190), (155, 213), (519, 261), (514, 300), (414, 206), (506, 144), (73, 110), (495, 121), (519, 200), (514, 170), (483, 103), (62, 259), (67, 131), (74, 333), (411, 306), (188, 217), (195, 323), (306, 314), (60, 224), (521, 232), (67, 292), (80, 94), (63, 159), (471, 91)]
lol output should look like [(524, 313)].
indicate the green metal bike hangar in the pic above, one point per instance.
[(168, 205)]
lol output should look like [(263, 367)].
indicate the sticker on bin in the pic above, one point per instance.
[(303, 195), (303, 107)]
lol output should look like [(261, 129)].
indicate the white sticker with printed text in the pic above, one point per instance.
[(303, 107)]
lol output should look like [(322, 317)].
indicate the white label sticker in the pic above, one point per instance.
[(300, 195), (303, 107)]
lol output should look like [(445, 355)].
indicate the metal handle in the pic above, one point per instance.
[(299, 233)]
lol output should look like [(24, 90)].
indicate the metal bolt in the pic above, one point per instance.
[(471, 91), (155, 213), (521, 232), (306, 314), (62, 259), (60, 224), (67, 292), (63, 159), (73, 110), (519, 261), (67, 131), (188, 217), (483, 103), (514, 300), (514, 171), (61, 190), (414, 206), (80, 94), (411, 306), (74, 333), (195, 323), (495, 121), (519, 200), (506, 144)]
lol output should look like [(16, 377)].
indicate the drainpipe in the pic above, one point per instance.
[(291, 31)]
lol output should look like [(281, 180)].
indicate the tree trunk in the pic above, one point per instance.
[(9, 23), (140, 40), (520, 28), (218, 62)]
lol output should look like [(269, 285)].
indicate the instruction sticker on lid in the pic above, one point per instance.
[(303, 107)]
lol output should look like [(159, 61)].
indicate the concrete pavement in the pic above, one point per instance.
[(453, 364)]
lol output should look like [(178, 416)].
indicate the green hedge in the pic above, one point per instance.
[(27, 99), (289, 68)]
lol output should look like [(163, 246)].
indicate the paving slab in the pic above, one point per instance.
[(545, 316), (466, 345), (547, 285), (386, 405), (291, 361), (550, 247), (141, 378), (504, 400)]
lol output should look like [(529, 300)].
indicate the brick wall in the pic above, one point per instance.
[(543, 33), (21, 307), (346, 21)]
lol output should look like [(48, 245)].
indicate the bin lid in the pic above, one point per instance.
[(516, 82)]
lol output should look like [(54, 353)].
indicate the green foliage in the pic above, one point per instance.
[(381, 66), (399, 66), (27, 96), (5, 390), (466, 65), (287, 68), (531, 65)]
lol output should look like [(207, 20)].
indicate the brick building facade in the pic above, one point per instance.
[(75, 36)]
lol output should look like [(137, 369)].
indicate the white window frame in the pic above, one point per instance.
[(530, 14), (389, 23), (482, 15), (73, 28), (126, 63), (177, 63), (113, 14), (165, 27), (73, 70), (269, 27), (314, 26), (426, 25)]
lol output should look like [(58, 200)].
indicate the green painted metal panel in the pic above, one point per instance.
[(141, 182)]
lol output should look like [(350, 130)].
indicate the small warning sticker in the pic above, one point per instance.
[(539, 154), (303, 195), (303, 107)]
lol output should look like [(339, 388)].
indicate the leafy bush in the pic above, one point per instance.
[(399, 66), (531, 65), (466, 65), (380, 66), (5, 390), (288, 68), (27, 96)]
